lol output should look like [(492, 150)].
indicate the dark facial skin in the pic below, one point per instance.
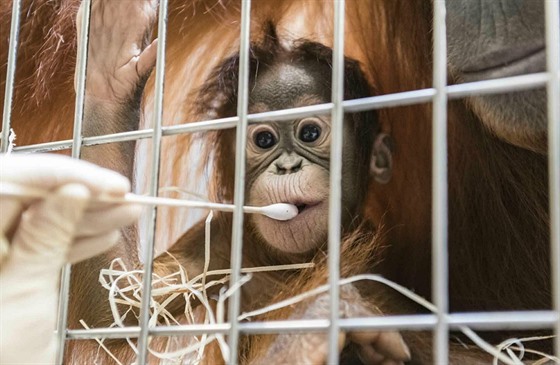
[(289, 161), (501, 38)]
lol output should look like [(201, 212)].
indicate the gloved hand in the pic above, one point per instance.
[(40, 235)]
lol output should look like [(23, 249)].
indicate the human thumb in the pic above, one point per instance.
[(47, 228)]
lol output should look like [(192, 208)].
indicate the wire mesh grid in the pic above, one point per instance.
[(442, 321)]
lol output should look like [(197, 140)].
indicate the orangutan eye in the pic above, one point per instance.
[(265, 139), (309, 133)]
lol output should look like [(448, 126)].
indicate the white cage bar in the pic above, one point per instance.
[(438, 95), (239, 188), (81, 69), (495, 86), (153, 186), (335, 191), (439, 185), (11, 74), (552, 21), (517, 320)]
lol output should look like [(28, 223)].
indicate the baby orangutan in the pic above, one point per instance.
[(287, 162)]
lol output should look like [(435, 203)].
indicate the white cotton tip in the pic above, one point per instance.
[(280, 211)]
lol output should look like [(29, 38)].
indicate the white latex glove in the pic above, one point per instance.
[(41, 236)]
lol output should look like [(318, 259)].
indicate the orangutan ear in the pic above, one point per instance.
[(381, 166)]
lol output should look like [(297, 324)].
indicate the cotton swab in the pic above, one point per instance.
[(279, 211)]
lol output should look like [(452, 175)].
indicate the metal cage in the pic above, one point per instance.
[(439, 94)]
